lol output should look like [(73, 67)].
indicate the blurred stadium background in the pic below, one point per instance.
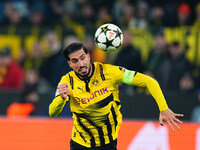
[(161, 39)]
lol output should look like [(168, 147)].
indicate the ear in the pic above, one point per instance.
[(88, 55), (69, 63)]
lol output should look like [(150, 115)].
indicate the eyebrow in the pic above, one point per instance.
[(79, 57)]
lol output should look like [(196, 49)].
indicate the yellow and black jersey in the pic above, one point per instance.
[(95, 103)]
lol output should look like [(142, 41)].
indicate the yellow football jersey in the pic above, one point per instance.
[(95, 105)]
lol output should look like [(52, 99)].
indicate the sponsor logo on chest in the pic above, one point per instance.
[(93, 95)]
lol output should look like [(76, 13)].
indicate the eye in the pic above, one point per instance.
[(74, 60), (82, 57)]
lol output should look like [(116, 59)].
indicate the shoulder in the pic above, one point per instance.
[(110, 69), (66, 77), (71, 73), (105, 66), (113, 68)]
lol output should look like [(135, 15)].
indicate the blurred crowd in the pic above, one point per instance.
[(161, 39)]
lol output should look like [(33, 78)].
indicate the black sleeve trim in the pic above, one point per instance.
[(135, 73), (71, 81), (101, 72)]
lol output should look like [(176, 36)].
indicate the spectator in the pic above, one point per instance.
[(187, 84), (157, 15), (55, 66), (129, 56), (71, 7), (183, 14), (142, 16), (37, 14), (157, 55), (31, 80), (128, 16), (117, 9), (14, 17), (55, 10), (51, 43), (135, 17), (22, 7), (157, 19), (11, 74), (88, 18), (38, 23), (34, 59), (27, 106), (14, 22), (103, 17), (69, 39), (172, 68)]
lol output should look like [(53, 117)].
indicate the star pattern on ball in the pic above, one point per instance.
[(104, 29), (118, 33), (118, 46), (108, 42), (96, 40), (108, 37)]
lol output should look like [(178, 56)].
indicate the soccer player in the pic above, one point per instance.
[(92, 90)]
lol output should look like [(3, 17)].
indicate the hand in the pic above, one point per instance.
[(63, 90), (170, 118)]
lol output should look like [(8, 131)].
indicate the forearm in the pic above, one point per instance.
[(153, 87), (56, 106)]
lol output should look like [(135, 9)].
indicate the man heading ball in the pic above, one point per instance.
[(92, 90)]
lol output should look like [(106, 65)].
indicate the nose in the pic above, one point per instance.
[(81, 63)]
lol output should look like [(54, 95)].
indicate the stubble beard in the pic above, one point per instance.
[(85, 75)]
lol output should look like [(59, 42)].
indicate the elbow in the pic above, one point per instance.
[(52, 113), (52, 116), (151, 82), (56, 107), (155, 82)]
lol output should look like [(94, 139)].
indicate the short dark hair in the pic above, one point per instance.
[(73, 47)]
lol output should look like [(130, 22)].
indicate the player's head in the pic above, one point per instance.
[(73, 47), (78, 59)]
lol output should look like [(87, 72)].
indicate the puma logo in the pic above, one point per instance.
[(80, 88)]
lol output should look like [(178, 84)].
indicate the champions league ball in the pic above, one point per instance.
[(108, 37)]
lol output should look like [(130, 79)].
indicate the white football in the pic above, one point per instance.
[(108, 37)]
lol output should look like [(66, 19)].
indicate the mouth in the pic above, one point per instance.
[(83, 69)]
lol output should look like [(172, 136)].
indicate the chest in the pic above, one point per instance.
[(85, 93)]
